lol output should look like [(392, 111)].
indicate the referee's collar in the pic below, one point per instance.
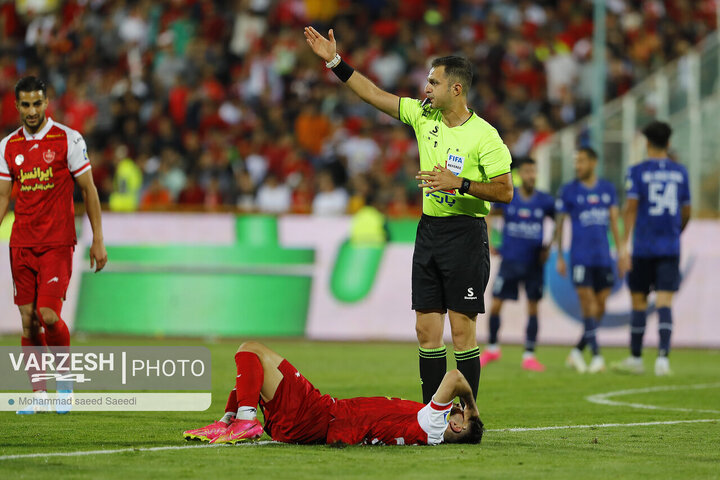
[(472, 114), (41, 134)]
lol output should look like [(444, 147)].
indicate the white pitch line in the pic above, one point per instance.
[(268, 442), (122, 450), (604, 398), (601, 425)]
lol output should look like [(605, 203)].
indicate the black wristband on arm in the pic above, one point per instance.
[(343, 71), (465, 187)]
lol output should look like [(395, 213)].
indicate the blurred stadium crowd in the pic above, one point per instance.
[(217, 105)]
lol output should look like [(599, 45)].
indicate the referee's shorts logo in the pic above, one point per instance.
[(470, 294)]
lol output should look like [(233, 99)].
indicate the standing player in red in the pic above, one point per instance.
[(296, 412), (43, 157)]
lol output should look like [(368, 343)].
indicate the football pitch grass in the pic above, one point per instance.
[(656, 428)]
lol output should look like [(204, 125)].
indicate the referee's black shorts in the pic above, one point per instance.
[(451, 264)]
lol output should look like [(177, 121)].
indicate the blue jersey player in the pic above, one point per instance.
[(591, 204), (523, 257), (657, 209)]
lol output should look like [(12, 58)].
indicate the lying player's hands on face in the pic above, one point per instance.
[(323, 48), (440, 178), (98, 256)]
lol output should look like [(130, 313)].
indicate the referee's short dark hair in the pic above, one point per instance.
[(657, 134), (29, 84), (592, 154), (457, 68)]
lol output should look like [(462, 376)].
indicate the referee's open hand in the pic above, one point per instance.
[(440, 178), (322, 47)]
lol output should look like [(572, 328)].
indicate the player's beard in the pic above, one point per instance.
[(33, 129)]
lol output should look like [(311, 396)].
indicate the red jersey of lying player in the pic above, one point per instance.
[(296, 412)]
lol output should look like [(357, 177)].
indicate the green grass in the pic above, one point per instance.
[(509, 397)]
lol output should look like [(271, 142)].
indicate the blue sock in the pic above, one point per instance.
[(589, 335), (638, 319), (531, 333), (582, 343), (494, 327), (665, 330)]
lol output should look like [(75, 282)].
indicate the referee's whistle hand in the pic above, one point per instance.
[(440, 178)]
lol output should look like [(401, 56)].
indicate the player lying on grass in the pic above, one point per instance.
[(296, 412)]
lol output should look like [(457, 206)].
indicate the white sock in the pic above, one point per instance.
[(493, 347), (246, 413), (528, 354), (228, 417)]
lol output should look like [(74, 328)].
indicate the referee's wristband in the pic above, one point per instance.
[(334, 62), (341, 69), (465, 187)]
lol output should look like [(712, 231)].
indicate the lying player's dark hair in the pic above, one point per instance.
[(457, 68), (657, 134), (474, 433), (589, 152), (29, 84)]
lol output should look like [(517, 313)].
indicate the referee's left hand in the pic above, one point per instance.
[(440, 178)]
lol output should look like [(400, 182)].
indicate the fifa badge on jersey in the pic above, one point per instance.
[(48, 156), (455, 163)]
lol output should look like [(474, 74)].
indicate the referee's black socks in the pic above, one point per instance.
[(468, 362), (433, 364)]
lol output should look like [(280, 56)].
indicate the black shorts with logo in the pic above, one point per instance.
[(451, 264)]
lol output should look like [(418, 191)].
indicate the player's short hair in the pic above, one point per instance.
[(474, 432), (589, 151), (657, 134), (30, 84), (525, 161), (457, 68)]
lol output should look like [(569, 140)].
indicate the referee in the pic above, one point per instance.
[(464, 166)]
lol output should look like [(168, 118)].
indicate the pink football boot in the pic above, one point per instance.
[(240, 430), (206, 433), (488, 356), (533, 365)]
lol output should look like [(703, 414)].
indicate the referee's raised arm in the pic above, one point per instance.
[(358, 83)]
